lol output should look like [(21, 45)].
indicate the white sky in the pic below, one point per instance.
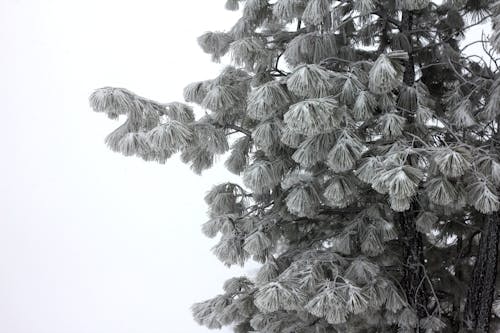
[(90, 241)]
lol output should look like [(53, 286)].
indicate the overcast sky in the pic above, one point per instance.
[(90, 241)]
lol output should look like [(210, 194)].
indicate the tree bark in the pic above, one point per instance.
[(413, 252), (413, 274), (481, 291)]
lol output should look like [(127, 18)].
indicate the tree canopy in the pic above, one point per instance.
[(367, 140)]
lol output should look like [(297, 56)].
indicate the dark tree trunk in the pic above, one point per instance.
[(413, 274), (413, 254), (477, 312)]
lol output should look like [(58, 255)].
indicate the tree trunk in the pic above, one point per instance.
[(413, 274), (481, 291), (413, 254)]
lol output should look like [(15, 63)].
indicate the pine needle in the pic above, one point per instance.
[(313, 116), (412, 5), (221, 98), (483, 197), (255, 9), (315, 11), (425, 222), (179, 112), (340, 192), (387, 102), (313, 150), (229, 250), (441, 191), (393, 301), (392, 125), (215, 44), (170, 135), (365, 7), (369, 169), (287, 10), (345, 153), (371, 244), (133, 143), (362, 271), (364, 106), (432, 324), (195, 92), (495, 172), (210, 138), (232, 5), (356, 302), (309, 81), (462, 115), (408, 319), (383, 76), (303, 201), (452, 163), (408, 98), (292, 139), (112, 140), (248, 52), (400, 204), (276, 296), (260, 176), (237, 160), (267, 135), (267, 99), (256, 243), (310, 48), (268, 272), (350, 90), (112, 101)]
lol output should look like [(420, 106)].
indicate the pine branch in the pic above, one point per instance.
[(239, 129), (383, 15)]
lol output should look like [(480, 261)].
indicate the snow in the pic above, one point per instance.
[(91, 241)]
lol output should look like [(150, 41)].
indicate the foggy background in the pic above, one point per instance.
[(91, 241)]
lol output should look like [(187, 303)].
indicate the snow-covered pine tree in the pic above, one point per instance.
[(367, 142)]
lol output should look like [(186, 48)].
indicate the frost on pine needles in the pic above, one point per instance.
[(315, 11), (287, 10), (179, 112), (310, 48), (276, 296), (133, 143), (452, 163), (170, 135), (313, 116), (366, 140), (260, 176), (215, 43), (483, 197), (384, 77), (344, 154), (112, 101), (267, 99), (195, 92), (309, 81), (313, 149), (220, 98), (364, 106), (112, 140), (341, 191)]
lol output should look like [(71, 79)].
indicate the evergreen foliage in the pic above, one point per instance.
[(368, 145)]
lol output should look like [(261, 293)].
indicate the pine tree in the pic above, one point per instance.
[(367, 143)]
